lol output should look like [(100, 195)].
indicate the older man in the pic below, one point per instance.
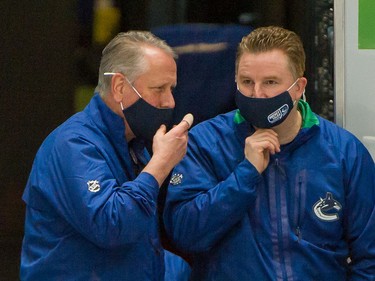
[(91, 196)]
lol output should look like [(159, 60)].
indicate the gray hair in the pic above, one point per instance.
[(125, 54)]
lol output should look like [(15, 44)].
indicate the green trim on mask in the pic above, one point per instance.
[(308, 117)]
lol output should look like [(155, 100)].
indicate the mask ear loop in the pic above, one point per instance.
[(113, 73), (303, 97), (135, 90), (295, 82)]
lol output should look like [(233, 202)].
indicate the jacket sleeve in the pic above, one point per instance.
[(201, 207), (96, 198), (360, 222)]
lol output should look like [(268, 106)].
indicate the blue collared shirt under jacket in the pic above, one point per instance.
[(308, 217), (88, 216)]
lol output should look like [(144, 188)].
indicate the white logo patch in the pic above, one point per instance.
[(176, 179), (327, 209), (278, 114), (93, 185)]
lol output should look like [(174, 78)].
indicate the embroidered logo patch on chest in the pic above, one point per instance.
[(93, 186), (176, 179), (327, 209)]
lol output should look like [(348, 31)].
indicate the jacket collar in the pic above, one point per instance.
[(310, 126), (105, 119)]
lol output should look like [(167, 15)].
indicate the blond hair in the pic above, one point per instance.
[(264, 39)]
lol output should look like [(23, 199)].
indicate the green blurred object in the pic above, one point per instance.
[(366, 24), (82, 96)]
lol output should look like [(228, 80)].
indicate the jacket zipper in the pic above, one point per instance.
[(282, 272), (298, 227)]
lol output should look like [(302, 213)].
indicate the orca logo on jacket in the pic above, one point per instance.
[(327, 209), (93, 185)]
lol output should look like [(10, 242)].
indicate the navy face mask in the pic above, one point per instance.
[(265, 112), (145, 119)]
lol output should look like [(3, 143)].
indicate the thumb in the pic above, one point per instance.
[(187, 121), (184, 125)]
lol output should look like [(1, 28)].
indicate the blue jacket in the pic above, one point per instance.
[(301, 219), (88, 217)]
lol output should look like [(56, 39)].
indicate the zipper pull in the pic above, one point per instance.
[(277, 161)]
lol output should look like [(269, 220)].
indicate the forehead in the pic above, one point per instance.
[(161, 66), (270, 63)]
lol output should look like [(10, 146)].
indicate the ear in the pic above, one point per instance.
[(117, 86), (301, 85)]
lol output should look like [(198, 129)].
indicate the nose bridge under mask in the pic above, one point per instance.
[(253, 90)]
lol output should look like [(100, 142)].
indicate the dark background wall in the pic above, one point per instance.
[(46, 51), (36, 86)]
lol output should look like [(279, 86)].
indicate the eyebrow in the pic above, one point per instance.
[(271, 78), (165, 85)]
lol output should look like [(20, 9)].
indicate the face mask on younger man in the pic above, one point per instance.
[(265, 112)]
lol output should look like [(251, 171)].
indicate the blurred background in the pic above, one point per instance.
[(50, 52)]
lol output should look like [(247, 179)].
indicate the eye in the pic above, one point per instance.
[(247, 82), (270, 82), (158, 89), (163, 89)]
